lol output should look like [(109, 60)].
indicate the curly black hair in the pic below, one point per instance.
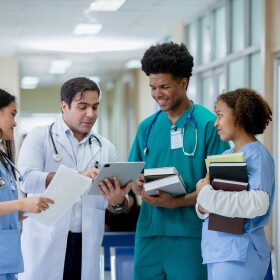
[(250, 110), (169, 58)]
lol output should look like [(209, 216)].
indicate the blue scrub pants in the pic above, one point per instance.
[(254, 268), (168, 258)]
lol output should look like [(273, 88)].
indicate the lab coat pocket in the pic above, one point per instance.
[(10, 256), (34, 229)]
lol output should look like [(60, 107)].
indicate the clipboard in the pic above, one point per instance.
[(124, 171)]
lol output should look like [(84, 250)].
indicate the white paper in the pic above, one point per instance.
[(66, 187)]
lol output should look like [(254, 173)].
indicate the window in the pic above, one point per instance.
[(227, 41), (192, 44), (236, 74), (256, 22), (191, 90), (206, 39), (255, 72), (220, 42), (237, 25), (207, 92)]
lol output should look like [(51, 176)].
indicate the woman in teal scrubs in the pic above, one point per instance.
[(168, 233), (10, 253)]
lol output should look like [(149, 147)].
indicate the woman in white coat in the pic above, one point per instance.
[(68, 141)]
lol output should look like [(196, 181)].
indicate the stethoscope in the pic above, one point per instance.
[(2, 181), (57, 156), (189, 119)]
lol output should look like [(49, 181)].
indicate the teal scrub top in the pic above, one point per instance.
[(181, 221)]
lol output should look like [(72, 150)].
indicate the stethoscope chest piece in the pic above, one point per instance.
[(57, 157), (2, 183)]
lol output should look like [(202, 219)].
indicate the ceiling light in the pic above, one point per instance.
[(88, 44), (54, 70), (105, 5), (87, 29), (59, 66), (132, 64), (29, 82)]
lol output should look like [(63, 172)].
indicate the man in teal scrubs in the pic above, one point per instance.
[(168, 234)]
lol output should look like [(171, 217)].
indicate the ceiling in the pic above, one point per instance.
[(27, 26)]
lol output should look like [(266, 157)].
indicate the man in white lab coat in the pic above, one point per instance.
[(70, 248)]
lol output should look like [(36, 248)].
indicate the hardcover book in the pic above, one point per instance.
[(226, 224), (151, 174), (234, 157), (165, 179), (227, 176), (236, 171)]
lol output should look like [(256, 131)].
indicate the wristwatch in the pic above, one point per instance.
[(119, 207)]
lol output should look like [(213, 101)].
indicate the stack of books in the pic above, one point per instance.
[(235, 157), (165, 179), (231, 176), (235, 171)]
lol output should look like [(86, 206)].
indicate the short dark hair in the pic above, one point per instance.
[(169, 58), (250, 110), (77, 85)]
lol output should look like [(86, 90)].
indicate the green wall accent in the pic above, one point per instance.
[(40, 100)]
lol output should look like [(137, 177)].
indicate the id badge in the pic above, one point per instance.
[(176, 139)]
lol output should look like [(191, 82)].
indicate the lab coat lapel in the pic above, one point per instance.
[(94, 150)]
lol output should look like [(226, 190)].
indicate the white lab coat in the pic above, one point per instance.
[(44, 247)]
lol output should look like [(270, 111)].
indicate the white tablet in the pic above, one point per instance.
[(124, 171)]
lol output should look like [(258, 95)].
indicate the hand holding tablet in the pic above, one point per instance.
[(124, 171)]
